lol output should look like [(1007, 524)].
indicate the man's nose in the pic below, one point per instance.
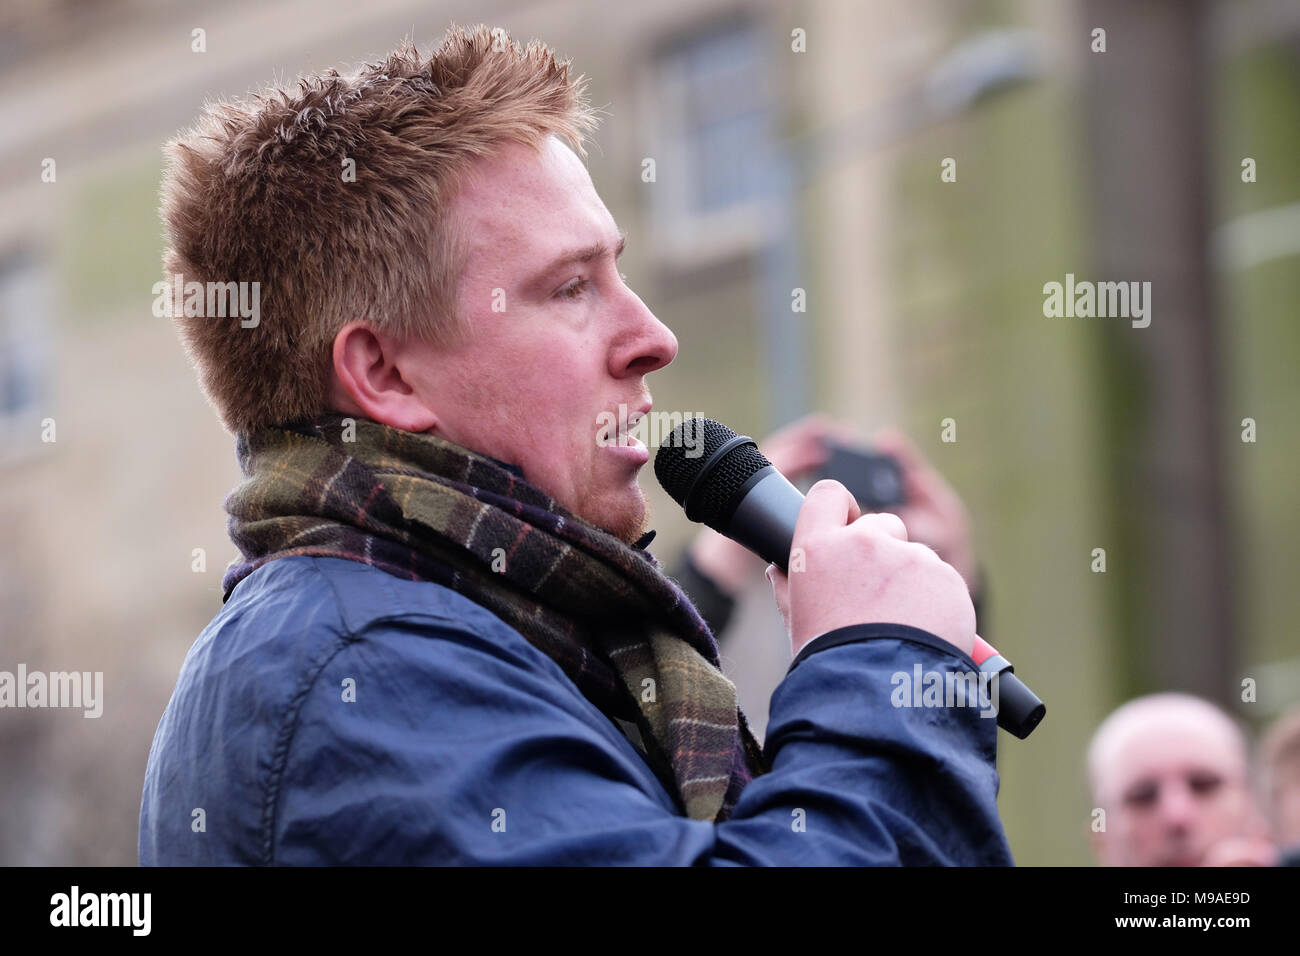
[(1178, 806), (650, 345)]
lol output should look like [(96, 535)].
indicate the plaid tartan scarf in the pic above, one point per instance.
[(424, 509)]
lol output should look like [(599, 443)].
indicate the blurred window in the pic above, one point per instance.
[(712, 138)]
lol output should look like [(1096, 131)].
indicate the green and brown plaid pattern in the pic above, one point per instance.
[(424, 509)]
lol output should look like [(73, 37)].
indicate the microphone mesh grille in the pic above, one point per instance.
[(715, 496), (680, 458), (684, 452)]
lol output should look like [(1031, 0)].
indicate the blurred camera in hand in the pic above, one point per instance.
[(874, 479)]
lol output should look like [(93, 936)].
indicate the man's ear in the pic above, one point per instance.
[(369, 380)]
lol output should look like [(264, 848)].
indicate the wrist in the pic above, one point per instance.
[(856, 633)]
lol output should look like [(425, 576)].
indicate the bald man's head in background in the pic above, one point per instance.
[(1172, 772)]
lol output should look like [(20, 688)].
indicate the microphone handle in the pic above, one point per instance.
[(764, 521)]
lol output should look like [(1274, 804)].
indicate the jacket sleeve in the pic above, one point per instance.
[(474, 748)]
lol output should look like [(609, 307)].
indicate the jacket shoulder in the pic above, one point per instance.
[(229, 728), (342, 597)]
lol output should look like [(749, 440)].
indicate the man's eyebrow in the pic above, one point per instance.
[(597, 250)]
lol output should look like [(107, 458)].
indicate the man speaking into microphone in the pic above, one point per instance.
[(443, 641)]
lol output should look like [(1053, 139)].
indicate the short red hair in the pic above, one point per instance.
[(256, 192)]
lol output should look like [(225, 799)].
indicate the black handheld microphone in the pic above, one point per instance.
[(723, 481)]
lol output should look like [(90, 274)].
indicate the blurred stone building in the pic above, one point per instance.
[(792, 145)]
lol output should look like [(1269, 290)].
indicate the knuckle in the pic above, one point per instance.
[(879, 526), (912, 557)]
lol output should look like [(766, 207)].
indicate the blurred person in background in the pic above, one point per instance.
[(1280, 772), (1172, 774), (715, 571)]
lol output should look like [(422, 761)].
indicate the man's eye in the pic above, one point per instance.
[(1204, 784), (1142, 796), (575, 289)]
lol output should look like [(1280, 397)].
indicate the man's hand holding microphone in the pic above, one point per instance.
[(858, 568), (833, 567)]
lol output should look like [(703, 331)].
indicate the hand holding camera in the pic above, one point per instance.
[(887, 475)]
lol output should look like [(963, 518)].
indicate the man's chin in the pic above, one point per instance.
[(628, 522), (1183, 857), (632, 531)]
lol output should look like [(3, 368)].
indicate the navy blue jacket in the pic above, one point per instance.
[(333, 713)]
